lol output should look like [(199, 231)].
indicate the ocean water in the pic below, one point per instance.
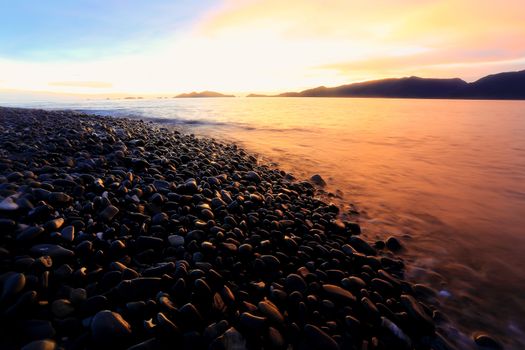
[(446, 177)]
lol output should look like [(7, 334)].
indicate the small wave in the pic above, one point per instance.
[(174, 120), (124, 113)]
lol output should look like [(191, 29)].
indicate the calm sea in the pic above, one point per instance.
[(447, 177)]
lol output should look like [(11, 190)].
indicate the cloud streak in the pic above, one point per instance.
[(82, 84)]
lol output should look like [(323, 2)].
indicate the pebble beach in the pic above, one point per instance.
[(123, 234)]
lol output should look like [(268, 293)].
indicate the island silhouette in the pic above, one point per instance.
[(504, 86), (202, 94)]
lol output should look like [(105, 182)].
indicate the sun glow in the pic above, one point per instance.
[(274, 46)]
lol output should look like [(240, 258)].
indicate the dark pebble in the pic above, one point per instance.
[(58, 198), (318, 180), (486, 342), (68, 233), (362, 246), (30, 233), (245, 249), (62, 308), (338, 293), (271, 312), (393, 244), (55, 224), (191, 316), (53, 250), (424, 321), (44, 344), (109, 213), (39, 329), (148, 242), (252, 176), (13, 285), (176, 240), (252, 322), (294, 283), (315, 338), (109, 327), (139, 288), (8, 205)]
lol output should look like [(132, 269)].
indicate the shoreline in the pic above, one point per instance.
[(189, 232)]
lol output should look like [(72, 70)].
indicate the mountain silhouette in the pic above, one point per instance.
[(203, 94), (510, 85)]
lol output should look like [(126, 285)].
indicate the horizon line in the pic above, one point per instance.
[(124, 94)]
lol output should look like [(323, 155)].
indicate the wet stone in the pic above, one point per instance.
[(148, 242), (190, 186), (252, 176), (190, 315), (161, 184), (139, 288), (295, 282), (361, 246), (13, 285), (43, 344), (78, 295), (159, 219), (353, 283), (486, 342), (176, 240), (7, 225), (216, 329), (109, 213), (338, 293), (393, 244), (166, 328), (252, 322), (62, 308), (270, 261), (271, 312), (15, 176), (318, 339), (53, 250), (8, 204), (232, 339), (371, 311), (415, 310), (30, 233), (39, 329), (68, 233), (54, 225), (318, 180), (245, 249), (58, 198), (108, 326)]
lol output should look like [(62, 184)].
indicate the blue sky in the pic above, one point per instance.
[(241, 46), (84, 29)]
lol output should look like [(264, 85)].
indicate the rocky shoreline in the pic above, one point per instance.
[(116, 233)]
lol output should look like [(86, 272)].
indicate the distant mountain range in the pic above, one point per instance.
[(505, 86), (203, 94)]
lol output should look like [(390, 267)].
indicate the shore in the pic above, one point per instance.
[(118, 233)]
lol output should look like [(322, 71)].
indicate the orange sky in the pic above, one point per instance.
[(274, 46)]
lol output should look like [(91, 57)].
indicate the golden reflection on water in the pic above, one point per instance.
[(447, 177)]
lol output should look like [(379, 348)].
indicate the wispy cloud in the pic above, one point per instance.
[(82, 84)]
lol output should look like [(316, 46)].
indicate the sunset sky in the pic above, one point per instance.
[(236, 46)]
